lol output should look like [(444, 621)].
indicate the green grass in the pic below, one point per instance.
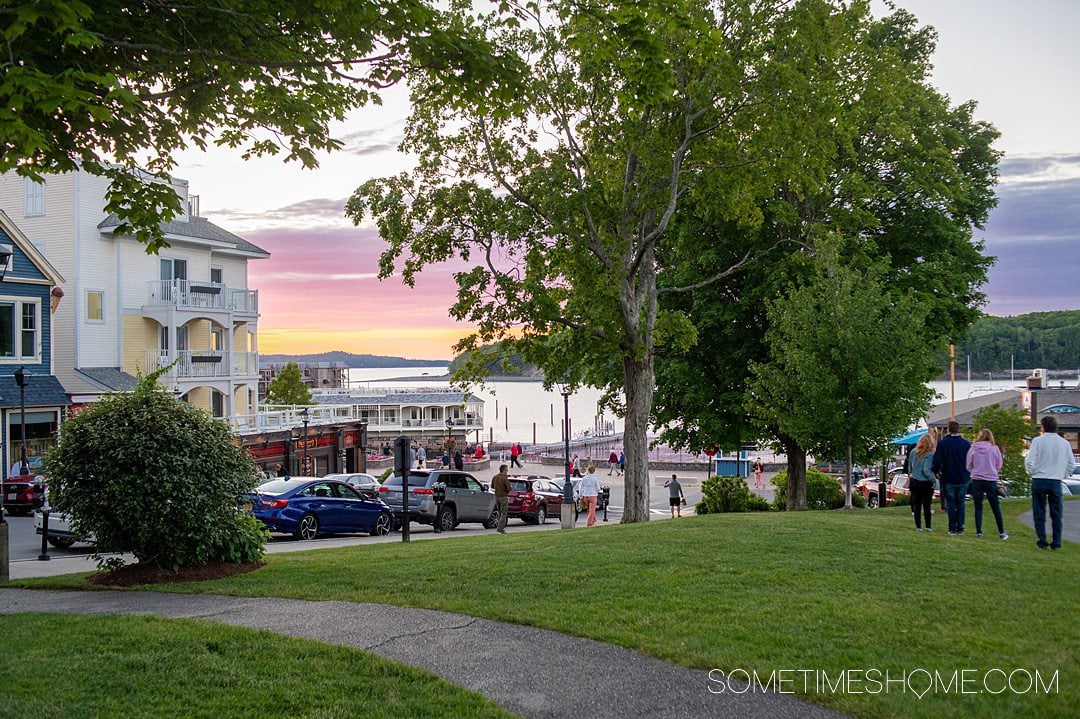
[(67, 667), (811, 590)]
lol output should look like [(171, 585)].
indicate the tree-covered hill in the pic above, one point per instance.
[(352, 360), (1039, 339)]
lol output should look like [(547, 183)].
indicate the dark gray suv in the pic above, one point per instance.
[(467, 499)]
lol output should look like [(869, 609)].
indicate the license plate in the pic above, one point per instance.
[(11, 497)]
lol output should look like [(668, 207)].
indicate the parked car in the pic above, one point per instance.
[(575, 482), (362, 482), (1072, 483), (19, 493), (899, 484), (60, 534), (306, 507), (467, 499), (534, 498)]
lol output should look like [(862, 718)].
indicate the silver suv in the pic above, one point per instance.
[(467, 499)]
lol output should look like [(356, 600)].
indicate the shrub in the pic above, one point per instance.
[(822, 491), (728, 494), (158, 478), (900, 500), (1015, 476)]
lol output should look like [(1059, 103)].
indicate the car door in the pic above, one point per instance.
[(356, 514), (483, 502), (320, 499), (458, 493)]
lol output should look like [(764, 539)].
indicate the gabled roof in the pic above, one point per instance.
[(27, 247), (110, 378), (938, 416), (198, 228), (43, 390)]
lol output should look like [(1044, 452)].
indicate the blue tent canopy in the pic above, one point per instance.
[(910, 438)]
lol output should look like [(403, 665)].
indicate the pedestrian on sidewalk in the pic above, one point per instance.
[(459, 460), (758, 469), (622, 462), (1049, 461), (421, 457), (575, 467), (613, 463), (515, 455), (950, 463), (984, 465), (590, 490), (500, 484), (921, 470), (676, 498)]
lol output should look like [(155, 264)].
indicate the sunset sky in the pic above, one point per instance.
[(319, 289)]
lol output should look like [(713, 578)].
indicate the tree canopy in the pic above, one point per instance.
[(288, 387), (848, 363), (1038, 339), (115, 87), (565, 196)]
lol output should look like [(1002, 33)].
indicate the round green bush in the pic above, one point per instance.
[(822, 491), (728, 494), (158, 478)]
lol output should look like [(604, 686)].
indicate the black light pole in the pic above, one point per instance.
[(568, 489), (22, 378), (307, 452)]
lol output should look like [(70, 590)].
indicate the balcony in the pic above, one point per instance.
[(205, 296), (195, 364)]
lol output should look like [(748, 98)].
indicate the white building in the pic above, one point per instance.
[(127, 312)]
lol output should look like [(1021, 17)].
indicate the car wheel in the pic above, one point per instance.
[(61, 542), (541, 516), (383, 524), (447, 519), (308, 527), (493, 520), (871, 502)]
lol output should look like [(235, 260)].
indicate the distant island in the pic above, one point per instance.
[(352, 360)]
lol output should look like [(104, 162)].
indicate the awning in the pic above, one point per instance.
[(910, 438)]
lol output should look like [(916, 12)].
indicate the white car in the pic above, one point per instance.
[(1072, 484), (60, 534)]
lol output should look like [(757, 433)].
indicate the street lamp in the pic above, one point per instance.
[(22, 378), (306, 415), (567, 514)]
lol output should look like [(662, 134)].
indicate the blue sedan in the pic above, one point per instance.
[(306, 507)]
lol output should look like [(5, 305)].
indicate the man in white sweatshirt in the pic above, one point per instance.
[(1049, 461)]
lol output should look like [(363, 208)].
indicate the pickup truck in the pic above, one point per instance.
[(897, 485)]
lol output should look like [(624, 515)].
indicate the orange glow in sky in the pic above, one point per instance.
[(416, 343)]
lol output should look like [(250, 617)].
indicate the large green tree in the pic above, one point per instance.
[(564, 198), (118, 87), (288, 387), (906, 179), (848, 363)]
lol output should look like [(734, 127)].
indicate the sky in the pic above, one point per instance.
[(319, 291)]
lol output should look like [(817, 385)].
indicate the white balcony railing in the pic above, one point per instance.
[(280, 417), (189, 294), (204, 363)]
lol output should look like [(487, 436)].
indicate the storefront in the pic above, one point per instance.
[(326, 450)]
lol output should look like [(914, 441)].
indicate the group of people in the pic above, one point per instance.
[(959, 466), (589, 491)]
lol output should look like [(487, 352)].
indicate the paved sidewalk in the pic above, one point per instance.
[(1070, 519), (534, 673)]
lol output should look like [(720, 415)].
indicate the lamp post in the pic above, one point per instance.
[(306, 415), (22, 378), (567, 514)]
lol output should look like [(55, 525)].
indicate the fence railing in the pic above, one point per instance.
[(190, 294)]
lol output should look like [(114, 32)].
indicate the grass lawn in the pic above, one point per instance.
[(66, 667), (826, 591)]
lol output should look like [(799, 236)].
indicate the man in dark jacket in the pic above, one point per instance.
[(950, 464)]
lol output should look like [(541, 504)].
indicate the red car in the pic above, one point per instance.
[(534, 499), (19, 494), (899, 484)]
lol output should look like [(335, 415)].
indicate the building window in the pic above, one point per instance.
[(95, 306), (217, 339), (19, 338), (11, 257), (35, 198), (217, 403), (215, 275), (173, 269)]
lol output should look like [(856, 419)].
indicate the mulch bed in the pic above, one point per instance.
[(135, 574)]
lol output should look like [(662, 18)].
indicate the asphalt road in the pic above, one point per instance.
[(25, 545)]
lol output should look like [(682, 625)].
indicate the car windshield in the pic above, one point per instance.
[(519, 485), (278, 486), (416, 479)]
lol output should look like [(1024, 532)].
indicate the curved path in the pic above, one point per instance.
[(530, 672), (1070, 521)]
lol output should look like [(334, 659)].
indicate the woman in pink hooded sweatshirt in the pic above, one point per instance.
[(984, 464)]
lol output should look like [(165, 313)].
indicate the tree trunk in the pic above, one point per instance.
[(639, 385), (847, 474), (796, 475)]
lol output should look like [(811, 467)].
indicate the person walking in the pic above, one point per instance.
[(984, 465), (1049, 461), (500, 484), (758, 469), (515, 455), (622, 462), (421, 457), (950, 463), (613, 463), (575, 467), (590, 490), (920, 463), (459, 460), (676, 498)]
